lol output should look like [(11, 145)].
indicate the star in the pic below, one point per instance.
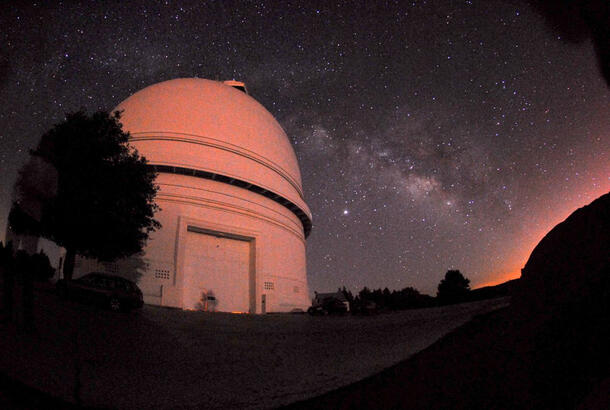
[(452, 143)]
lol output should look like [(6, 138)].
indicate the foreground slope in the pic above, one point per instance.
[(167, 358)]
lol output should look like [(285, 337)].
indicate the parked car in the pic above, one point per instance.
[(328, 306), (105, 290)]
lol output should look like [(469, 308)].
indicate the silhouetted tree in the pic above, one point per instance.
[(24, 270), (20, 221), (40, 266), (103, 205), (8, 279), (386, 297), (348, 295), (357, 305), (407, 298), (365, 294), (453, 288)]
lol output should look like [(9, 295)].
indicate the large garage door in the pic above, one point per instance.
[(216, 273)]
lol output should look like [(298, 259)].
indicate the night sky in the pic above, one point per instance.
[(431, 135)]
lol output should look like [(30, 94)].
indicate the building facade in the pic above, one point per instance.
[(234, 221)]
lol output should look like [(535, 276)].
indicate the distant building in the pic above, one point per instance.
[(232, 208)]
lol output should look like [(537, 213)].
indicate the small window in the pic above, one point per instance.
[(268, 286)]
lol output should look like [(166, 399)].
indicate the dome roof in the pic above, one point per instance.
[(212, 127)]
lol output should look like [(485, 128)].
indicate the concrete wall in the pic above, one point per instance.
[(276, 234)]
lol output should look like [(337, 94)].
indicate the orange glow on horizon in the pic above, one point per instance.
[(512, 268), (499, 278)]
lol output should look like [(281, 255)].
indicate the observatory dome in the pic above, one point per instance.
[(234, 221), (210, 126)]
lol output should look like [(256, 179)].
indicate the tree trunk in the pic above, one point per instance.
[(8, 283), (69, 263)]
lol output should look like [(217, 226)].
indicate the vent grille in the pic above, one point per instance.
[(162, 274)]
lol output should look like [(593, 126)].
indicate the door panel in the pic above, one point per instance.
[(216, 267)]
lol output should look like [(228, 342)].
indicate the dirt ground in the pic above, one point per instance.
[(485, 364), (167, 358)]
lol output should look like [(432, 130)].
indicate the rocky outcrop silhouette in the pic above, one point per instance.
[(562, 310), (568, 273)]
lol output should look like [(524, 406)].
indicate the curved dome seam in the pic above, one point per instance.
[(278, 169)]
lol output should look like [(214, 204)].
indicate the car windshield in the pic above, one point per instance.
[(87, 279), (125, 285), (107, 282)]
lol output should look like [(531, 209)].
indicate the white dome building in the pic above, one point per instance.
[(233, 217)]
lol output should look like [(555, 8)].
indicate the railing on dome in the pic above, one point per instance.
[(242, 184)]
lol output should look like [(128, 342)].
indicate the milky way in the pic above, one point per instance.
[(431, 135)]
